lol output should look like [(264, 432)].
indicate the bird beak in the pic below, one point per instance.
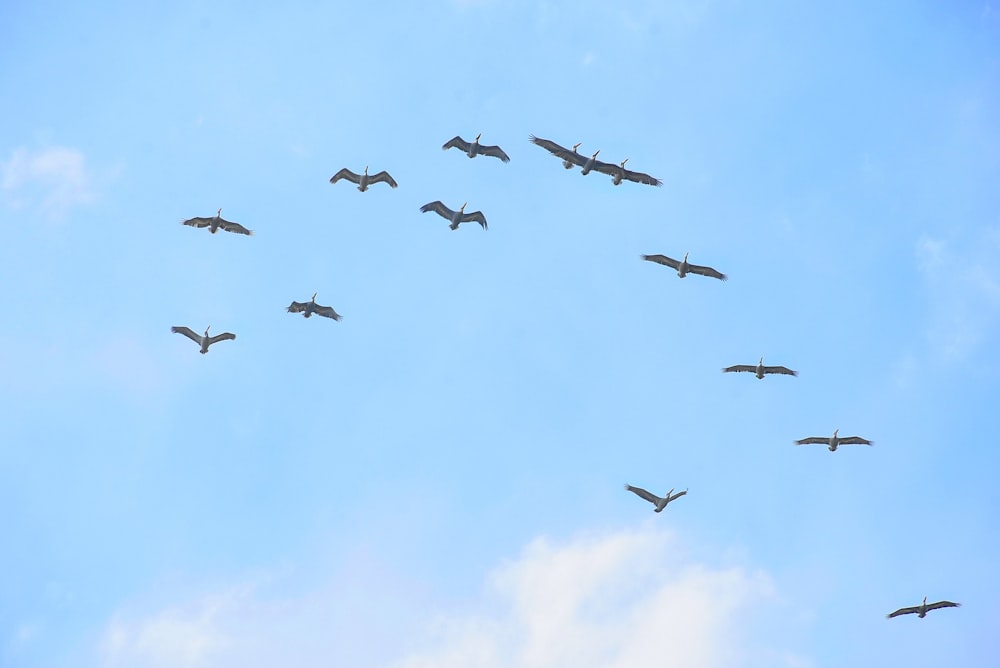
[(464, 205), (314, 295), (595, 154), (577, 145), (219, 212), (478, 136)]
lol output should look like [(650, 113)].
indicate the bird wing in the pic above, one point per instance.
[(639, 177), (606, 168), (676, 496), (297, 307), (494, 152), (230, 226), (560, 151), (186, 331), (780, 369), (854, 440), (383, 177), (345, 173), (903, 611), (707, 271), (943, 604), (225, 336), (326, 312), (197, 222), (662, 259), (456, 142), (476, 216), (740, 367), (639, 491), (439, 208), (813, 440)]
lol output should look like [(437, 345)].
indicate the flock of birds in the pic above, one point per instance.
[(570, 158)]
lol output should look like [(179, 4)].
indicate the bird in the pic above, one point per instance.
[(203, 341), (833, 442), (618, 172), (569, 158), (456, 217), (922, 609), (659, 502), (363, 180), (475, 148), (683, 268), (760, 370), (215, 222), (310, 307)]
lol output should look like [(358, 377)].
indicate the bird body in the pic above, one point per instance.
[(363, 180), (760, 370), (474, 148), (216, 222), (659, 502), (310, 307), (203, 340), (455, 218), (684, 268), (570, 158), (922, 609), (833, 442)]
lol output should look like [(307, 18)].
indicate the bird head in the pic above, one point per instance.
[(623, 163), (366, 169), (670, 492), (462, 208), (206, 330), (686, 257), (925, 600), (761, 360), (835, 432), (314, 296), (478, 136), (595, 153), (576, 146), (219, 212)]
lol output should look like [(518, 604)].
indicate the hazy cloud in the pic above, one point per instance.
[(54, 180)]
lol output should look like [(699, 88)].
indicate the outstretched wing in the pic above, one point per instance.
[(439, 208), (662, 259), (186, 331), (676, 496), (297, 307), (494, 152), (476, 216), (780, 369), (326, 312), (903, 611), (225, 336), (345, 173), (382, 177), (813, 440), (230, 226), (457, 142), (943, 604), (740, 367), (707, 271), (639, 491), (639, 177), (198, 222), (559, 151), (854, 440)]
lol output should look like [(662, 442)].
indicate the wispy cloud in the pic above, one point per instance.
[(53, 179)]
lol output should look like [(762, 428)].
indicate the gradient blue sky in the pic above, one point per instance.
[(437, 479)]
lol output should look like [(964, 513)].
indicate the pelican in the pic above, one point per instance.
[(923, 608), (760, 370), (683, 268), (659, 502), (833, 442), (567, 163), (475, 148), (215, 222), (363, 180), (456, 217), (569, 158), (618, 172), (203, 341), (310, 307)]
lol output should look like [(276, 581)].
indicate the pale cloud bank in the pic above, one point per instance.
[(53, 179), (621, 599)]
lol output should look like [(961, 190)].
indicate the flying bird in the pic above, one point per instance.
[(363, 180), (683, 268), (475, 148), (455, 217), (203, 341), (310, 307), (760, 370), (922, 609), (570, 158), (833, 442), (618, 172), (215, 222), (659, 502)]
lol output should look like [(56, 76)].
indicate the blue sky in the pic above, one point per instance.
[(437, 479)]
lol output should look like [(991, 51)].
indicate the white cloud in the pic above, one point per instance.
[(53, 179), (619, 599)]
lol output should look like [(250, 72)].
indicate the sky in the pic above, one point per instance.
[(437, 479)]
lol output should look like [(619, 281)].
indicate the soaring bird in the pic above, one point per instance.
[(455, 217), (570, 158), (833, 442), (659, 502), (363, 180), (475, 148), (203, 341), (310, 307), (215, 222), (922, 609), (618, 172), (760, 370), (683, 268)]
